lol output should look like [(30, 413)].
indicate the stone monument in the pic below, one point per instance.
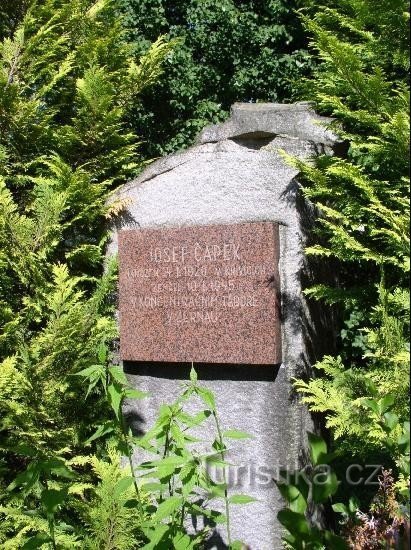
[(212, 270)]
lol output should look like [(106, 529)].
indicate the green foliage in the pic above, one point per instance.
[(309, 491), (73, 92), (304, 492), (163, 493), (180, 483), (67, 81), (36, 495), (395, 436), (227, 51), (110, 516), (66, 73), (364, 217), (67, 78)]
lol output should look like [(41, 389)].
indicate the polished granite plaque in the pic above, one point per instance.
[(207, 294)]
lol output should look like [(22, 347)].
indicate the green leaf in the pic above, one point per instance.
[(324, 488), (118, 376), (95, 374), (214, 515), (155, 536), (182, 542), (385, 403), (164, 467), (207, 397), (217, 517), (391, 420), (188, 476), (218, 446), (131, 393), (27, 479), (318, 448), (403, 440), (193, 375), (102, 353), (353, 504), (403, 443), (334, 541), (21, 449), (166, 508), (101, 431), (340, 508), (89, 372), (295, 523), (173, 460), (57, 467), (191, 439), (36, 542), (215, 490), (370, 404), (294, 498), (297, 479), (122, 485), (52, 499), (131, 503), (237, 434), (241, 499), (191, 421), (291, 541), (115, 393), (216, 460), (152, 487)]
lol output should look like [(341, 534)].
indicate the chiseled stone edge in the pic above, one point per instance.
[(294, 121)]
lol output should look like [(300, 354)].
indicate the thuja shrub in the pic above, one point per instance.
[(363, 205), (67, 78), (363, 228)]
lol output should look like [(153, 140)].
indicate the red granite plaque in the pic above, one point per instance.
[(204, 294)]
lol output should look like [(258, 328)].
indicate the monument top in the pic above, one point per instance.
[(267, 127), (297, 120)]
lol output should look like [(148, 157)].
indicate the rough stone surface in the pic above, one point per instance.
[(268, 120), (205, 294), (236, 174)]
